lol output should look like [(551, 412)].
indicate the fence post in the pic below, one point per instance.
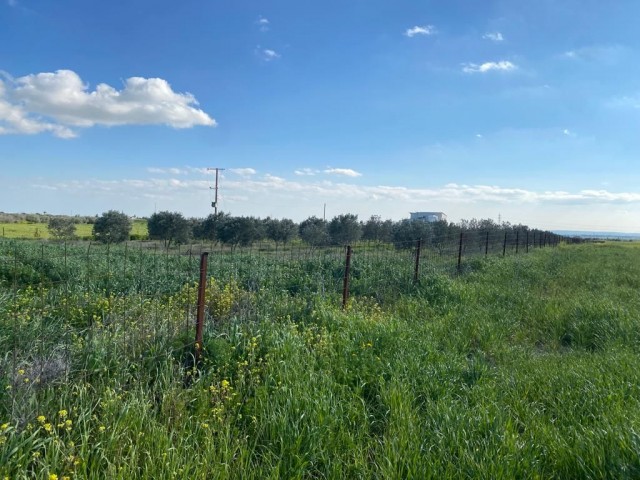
[(486, 245), (202, 290), (345, 285), (460, 253), (504, 244), (527, 241), (416, 271), (517, 240)]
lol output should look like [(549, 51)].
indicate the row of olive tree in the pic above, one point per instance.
[(173, 228)]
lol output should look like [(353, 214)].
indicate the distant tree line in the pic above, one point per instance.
[(173, 228)]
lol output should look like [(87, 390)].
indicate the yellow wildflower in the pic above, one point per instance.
[(102, 428), (53, 476), (41, 419), (63, 413), (4, 426), (47, 427)]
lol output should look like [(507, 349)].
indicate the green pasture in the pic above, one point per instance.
[(521, 367), (40, 231)]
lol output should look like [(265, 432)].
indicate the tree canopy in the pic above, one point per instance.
[(112, 227), (171, 227), (61, 228)]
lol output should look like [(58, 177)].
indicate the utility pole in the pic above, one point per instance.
[(214, 204)]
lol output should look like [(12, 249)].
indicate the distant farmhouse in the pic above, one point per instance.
[(428, 216)]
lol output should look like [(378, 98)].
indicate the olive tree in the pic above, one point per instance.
[(112, 227), (171, 227), (61, 228)]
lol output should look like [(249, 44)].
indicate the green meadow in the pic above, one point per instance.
[(521, 367), (39, 230)]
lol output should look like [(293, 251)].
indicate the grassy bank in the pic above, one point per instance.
[(524, 367)]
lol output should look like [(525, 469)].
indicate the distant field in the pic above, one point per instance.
[(39, 230)]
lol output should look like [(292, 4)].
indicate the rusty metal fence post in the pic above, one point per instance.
[(202, 290), (345, 284), (504, 244), (460, 252), (416, 271)]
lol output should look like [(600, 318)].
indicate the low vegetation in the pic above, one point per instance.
[(523, 367)]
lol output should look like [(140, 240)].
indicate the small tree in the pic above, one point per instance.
[(313, 231), (239, 231), (377, 230), (209, 228), (169, 227), (61, 228), (112, 227), (280, 231), (345, 229)]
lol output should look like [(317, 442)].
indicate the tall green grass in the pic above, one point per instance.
[(523, 367)]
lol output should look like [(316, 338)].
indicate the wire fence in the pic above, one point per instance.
[(71, 312)]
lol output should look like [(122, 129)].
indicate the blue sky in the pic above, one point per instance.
[(527, 110)]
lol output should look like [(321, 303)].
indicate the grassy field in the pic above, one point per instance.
[(522, 367), (39, 230)]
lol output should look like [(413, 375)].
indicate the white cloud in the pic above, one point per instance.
[(493, 36), (503, 66), (309, 172), (243, 172), (268, 55), (275, 186), (605, 54), (417, 30), (12, 3), (347, 172), (626, 101), (57, 101), (167, 171), (263, 23)]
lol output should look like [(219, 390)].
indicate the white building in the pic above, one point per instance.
[(428, 216)]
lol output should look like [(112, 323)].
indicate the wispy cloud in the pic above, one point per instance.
[(275, 186), (266, 54), (167, 171), (56, 102), (606, 54), (12, 3), (347, 172), (263, 23), (493, 36), (501, 66), (420, 30), (309, 172), (243, 172)]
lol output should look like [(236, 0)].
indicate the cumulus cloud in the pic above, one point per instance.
[(503, 66), (347, 172), (420, 30), (56, 102), (268, 55), (494, 37)]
